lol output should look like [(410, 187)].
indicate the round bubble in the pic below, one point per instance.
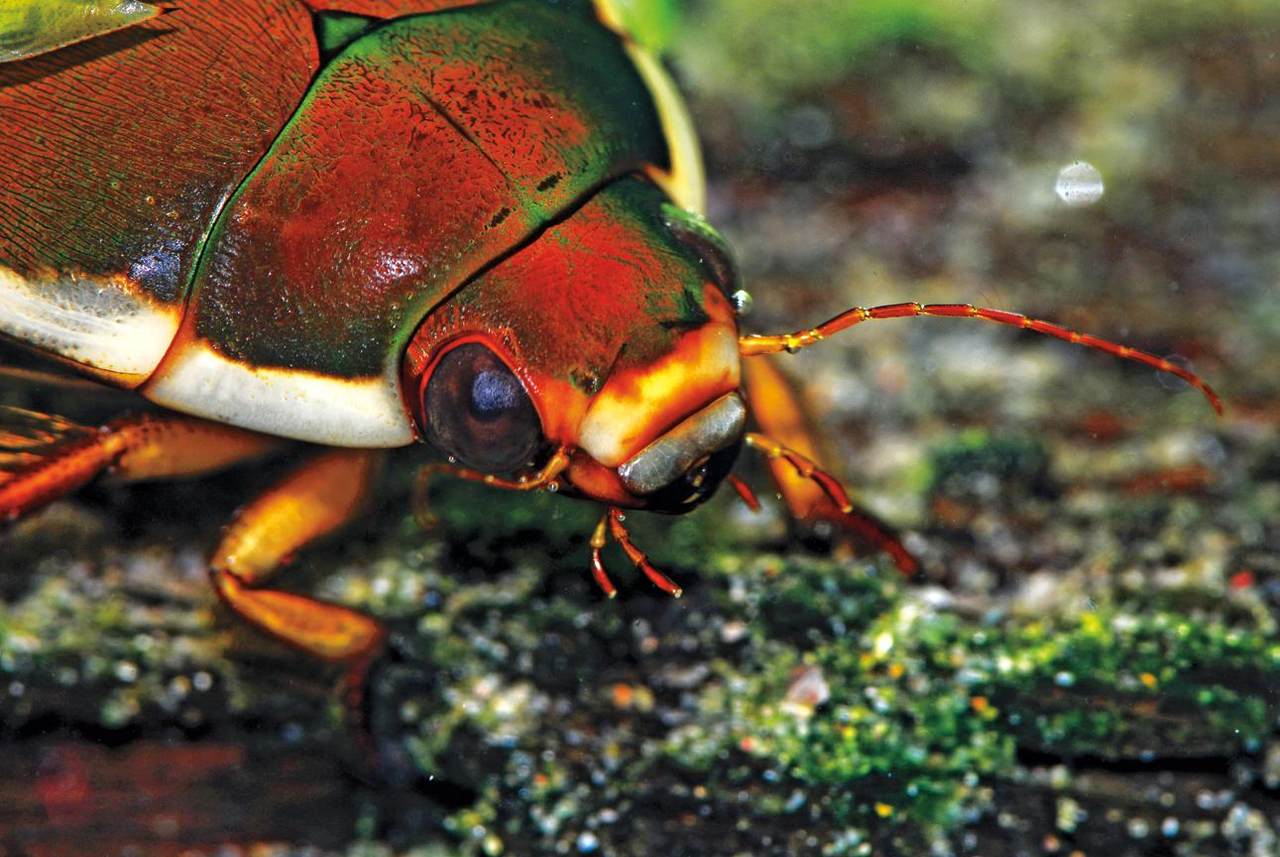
[(1079, 184)]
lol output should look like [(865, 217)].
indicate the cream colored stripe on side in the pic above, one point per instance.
[(102, 323), (365, 412), (686, 182)]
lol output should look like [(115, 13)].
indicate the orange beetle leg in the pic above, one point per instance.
[(598, 539), (745, 494), (861, 522), (806, 469), (133, 448), (623, 538), (319, 497), (789, 443)]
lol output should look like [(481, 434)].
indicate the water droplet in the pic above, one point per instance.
[(742, 301), (1079, 184)]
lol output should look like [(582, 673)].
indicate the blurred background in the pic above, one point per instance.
[(1088, 661)]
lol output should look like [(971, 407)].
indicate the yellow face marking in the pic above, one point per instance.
[(635, 407)]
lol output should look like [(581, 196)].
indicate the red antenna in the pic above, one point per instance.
[(755, 344)]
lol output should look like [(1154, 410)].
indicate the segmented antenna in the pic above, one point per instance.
[(754, 344)]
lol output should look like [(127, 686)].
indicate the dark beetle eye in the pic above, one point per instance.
[(477, 410)]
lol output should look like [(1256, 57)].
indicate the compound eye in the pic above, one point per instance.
[(477, 410)]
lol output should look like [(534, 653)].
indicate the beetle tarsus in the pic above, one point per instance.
[(598, 572), (637, 556), (755, 344), (744, 492), (880, 536), (807, 469)]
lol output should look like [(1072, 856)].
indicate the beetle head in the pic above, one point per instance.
[(611, 336)]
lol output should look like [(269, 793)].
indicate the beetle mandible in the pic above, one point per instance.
[(365, 223)]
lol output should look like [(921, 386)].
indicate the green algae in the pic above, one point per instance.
[(838, 695), (920, 709), (83, 648), (957, 467)]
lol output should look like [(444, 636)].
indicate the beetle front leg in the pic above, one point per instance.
[(810, 493), (316, 499)]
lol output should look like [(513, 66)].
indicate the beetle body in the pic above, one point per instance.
[(358, 223), (274, 282)]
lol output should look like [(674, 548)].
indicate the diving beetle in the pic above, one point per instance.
[(365, 223)]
